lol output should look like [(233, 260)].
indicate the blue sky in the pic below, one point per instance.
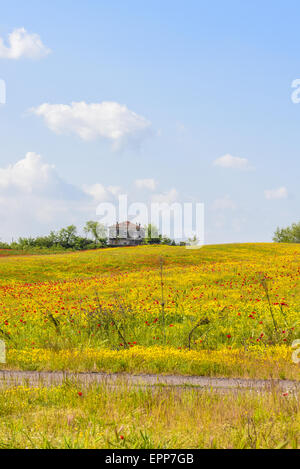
[(199, 109)]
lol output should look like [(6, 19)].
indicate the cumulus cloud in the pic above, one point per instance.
[(234, 162), (224, 203), (97, 191), (280, 193), (114, 190), (22, 44), (29, 175), (100, 193), (146, 184), (108, 120), (166, 197), (34, 199)]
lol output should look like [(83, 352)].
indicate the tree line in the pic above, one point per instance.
[(291, 234), (96, 237), (68, 239)]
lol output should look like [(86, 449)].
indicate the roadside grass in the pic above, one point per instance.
[(98, 416)]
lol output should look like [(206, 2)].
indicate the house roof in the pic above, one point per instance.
[(125, 224)]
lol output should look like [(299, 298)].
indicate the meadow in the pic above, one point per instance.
[(226, 310)]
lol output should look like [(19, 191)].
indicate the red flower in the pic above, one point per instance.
[(80, 394), (121, 437), (228, 336)]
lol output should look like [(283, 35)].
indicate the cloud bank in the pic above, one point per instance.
[(34, 199)]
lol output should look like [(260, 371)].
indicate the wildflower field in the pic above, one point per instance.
[(226, 310)]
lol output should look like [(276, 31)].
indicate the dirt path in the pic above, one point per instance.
[(34, 378)]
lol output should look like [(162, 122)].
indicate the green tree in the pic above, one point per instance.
[(67, 236), (291, 234), (152, 235), (193, 241), (97, 231)]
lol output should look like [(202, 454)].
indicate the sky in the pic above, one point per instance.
[(167, 101)]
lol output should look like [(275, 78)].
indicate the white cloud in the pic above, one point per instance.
[(109, 120), (28, 175), (167, 197), (146, 184), (100, 193), (34, 199), (23, 44), (224, 203), (114, 190), (97, 191), (280, 193), (229, 161)]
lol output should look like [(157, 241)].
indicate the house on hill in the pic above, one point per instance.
[(126, 234)]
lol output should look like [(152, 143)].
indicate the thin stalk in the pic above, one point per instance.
[(265, 287), (162, 304)]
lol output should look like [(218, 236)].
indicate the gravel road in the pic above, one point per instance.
[(44, 378)]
